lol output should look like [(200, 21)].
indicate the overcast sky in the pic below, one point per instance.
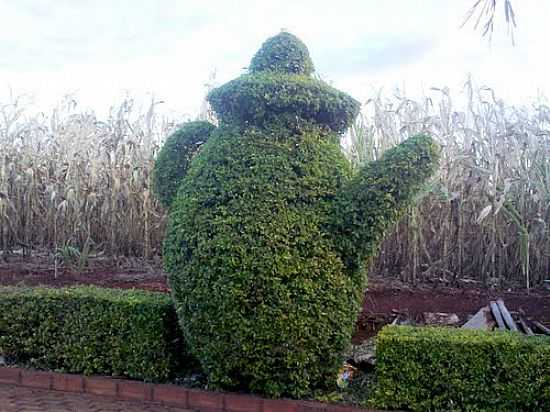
[(99, 49)]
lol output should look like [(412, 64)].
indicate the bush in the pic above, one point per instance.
[(266, 296), (174, 158), (263, 299), (91, 330), (436, 369)]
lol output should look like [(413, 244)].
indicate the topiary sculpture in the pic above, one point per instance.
[(270, 231)]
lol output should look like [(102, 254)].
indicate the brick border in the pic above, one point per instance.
[(172, 395)]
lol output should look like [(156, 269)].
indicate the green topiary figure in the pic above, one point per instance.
[(270, 232)]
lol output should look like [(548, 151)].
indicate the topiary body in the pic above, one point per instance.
[(270, 231)]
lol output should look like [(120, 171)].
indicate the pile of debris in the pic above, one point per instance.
[(493, 316), (497, 315)]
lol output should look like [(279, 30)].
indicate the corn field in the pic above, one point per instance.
[(486, 215), (69, 179)]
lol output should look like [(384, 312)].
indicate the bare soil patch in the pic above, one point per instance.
[(384, 299)]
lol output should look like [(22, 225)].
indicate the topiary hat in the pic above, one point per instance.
[(279, 89)]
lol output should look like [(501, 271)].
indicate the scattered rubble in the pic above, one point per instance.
[(481, 320), (345, 375), (363, 356), (496, 314), (440, 318)]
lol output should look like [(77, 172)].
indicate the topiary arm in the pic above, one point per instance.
[(379, 195), (175, 156)]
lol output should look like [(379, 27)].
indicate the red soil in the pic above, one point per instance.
[(382, 300), (38, 271)]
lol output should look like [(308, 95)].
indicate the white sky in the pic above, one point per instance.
[(101, 49)]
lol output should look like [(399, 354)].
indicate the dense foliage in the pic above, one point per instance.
[(284, 53), (436, 369), (261, 99), (264, 290), (263, 298), (174, 158), (91, 330)]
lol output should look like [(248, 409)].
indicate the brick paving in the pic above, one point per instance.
[(19, 399)]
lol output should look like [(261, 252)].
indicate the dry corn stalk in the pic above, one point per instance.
[(72, 179)]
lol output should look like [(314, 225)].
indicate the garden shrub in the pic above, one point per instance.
[(269, 232), (444, 369), (91, 330)]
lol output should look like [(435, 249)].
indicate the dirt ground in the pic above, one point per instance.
[(125, 274), (383, 299)]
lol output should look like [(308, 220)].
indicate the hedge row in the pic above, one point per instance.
[(436, 369), (91, 330)]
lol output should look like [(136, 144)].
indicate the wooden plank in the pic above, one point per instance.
[(541, 327), (525, 326), (496, 314), (506, 315), (481, 320)]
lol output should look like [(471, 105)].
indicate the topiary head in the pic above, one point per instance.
[(283, 53)]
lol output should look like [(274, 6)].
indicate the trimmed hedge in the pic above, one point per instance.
[(444, 369), (269, 231), (91, 330), (263, 299)]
